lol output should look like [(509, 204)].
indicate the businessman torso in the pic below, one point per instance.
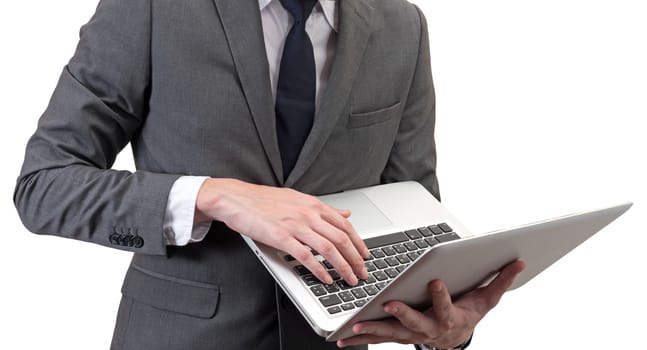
[(187, 83)]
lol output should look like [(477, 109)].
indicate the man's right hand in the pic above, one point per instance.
[(287, 220)]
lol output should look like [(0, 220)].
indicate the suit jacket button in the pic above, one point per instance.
[(138, 242), (128, 240), (114, 238)]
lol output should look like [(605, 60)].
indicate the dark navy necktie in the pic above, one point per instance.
[(296, 88)]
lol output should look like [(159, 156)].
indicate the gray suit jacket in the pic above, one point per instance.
[(187, 83)]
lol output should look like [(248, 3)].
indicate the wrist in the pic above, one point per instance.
[(460, 346), (209, 205)]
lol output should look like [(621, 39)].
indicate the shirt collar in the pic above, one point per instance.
[(329, 8), (263, 3)]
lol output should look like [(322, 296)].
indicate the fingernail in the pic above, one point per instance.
[(391, 309), (353, 281), (437, 287)]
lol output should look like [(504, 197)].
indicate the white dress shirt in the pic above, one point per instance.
[(321, 26)]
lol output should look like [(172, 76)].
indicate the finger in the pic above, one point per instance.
[(333, 217), (303, 255), (344, 245), (361, 340), (330, 252), (494, 291), (504, 280), (408, 317), (390, 329), (344, 212), (441, 304)]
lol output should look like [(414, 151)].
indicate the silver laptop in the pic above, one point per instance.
[(413, 240)]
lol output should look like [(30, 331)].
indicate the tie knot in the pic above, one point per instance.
[(299, 9)]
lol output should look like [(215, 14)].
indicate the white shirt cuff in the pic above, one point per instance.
[(179, 228)]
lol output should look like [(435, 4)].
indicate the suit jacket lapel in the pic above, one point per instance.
[(243, 28), (356, 22)]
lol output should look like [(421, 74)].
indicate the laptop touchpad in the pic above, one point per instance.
[(365, 216)]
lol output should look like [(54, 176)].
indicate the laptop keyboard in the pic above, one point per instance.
[(390, 255)]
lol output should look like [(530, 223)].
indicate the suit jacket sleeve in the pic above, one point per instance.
[(413, 156), (66, 186)]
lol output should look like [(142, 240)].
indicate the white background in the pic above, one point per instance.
[(541, 107)]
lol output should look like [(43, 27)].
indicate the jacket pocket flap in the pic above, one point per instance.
[(357, 120), (170, 293)]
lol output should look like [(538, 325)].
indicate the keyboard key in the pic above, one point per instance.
[(371, 290), (399, 248), (401, 268), (329, 300), (331, 288), (327, 265), (301, 270), (389, 239), (370, 267), (447, 237), (432, 241), (370, 280), (388, 251), (392, 261), (425, 231), (411, 246), (380, 275), (381, 285), (380, 264), (359, 293), (348, 306), (421, 243), (343, 285), (435, 229), (346, 296), (413, 255), (310, 280), (413, 234), (393, 273), (334, 274), (403, 259), (318, 291), (377, 253), (445, 227), (360, 303), (334, 310)]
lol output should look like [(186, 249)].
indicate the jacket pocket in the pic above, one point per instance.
[(358, 120), (170, 293)]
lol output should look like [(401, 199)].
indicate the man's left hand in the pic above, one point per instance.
[(445, 324)]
